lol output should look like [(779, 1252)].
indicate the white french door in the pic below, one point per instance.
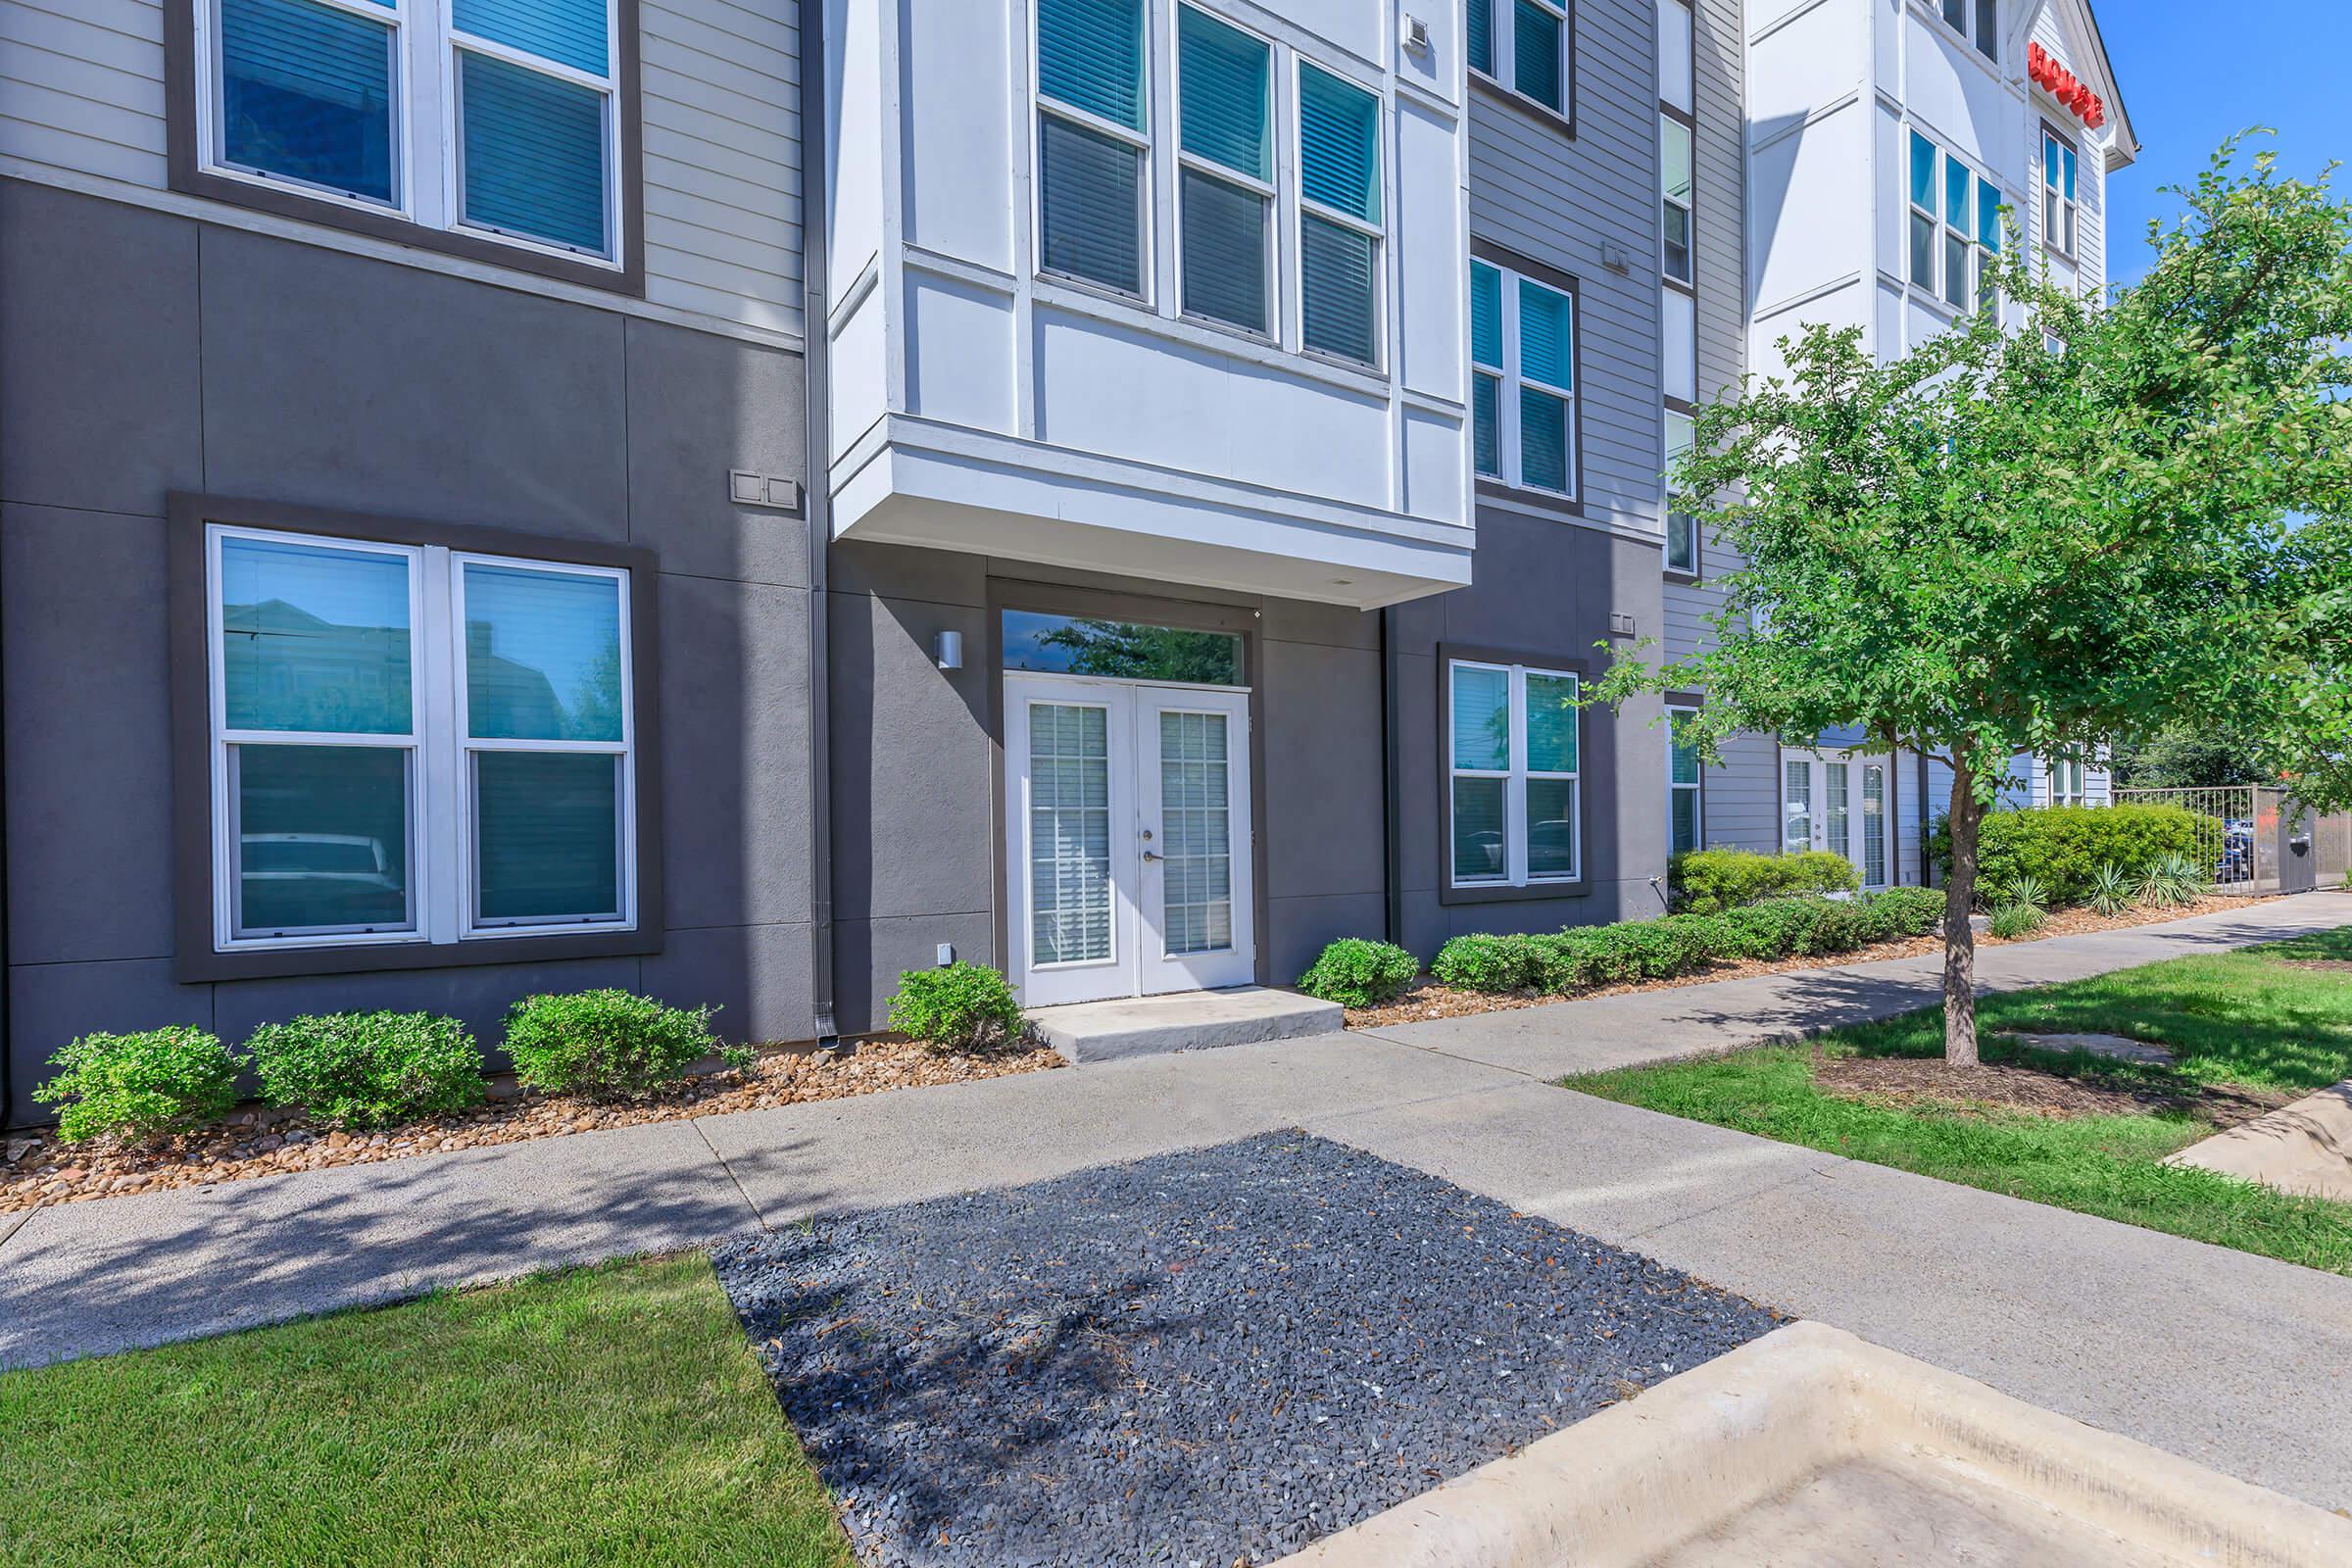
[(1842, 802), (1127, 837)]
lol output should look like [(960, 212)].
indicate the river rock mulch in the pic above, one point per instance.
[(1206, 1360), (40, 1168)]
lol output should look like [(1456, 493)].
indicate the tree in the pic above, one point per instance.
[(2128, 515), (2181, 756)]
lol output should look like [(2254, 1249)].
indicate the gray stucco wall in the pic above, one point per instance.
[(144, 353)]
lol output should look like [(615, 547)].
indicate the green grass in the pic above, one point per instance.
[(2244, 1018), (609, 1415)]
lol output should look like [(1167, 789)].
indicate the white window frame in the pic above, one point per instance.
[(1042, 106), (1267, 190), (2060, 212), (427, 181), (1687, 205), (1303, 207), (1973, 255), (1503, 29), (2070, 782), (1515, 779), (1697, 789), (1973, 25), (443, 863), (1681, 525), (1507, 403)]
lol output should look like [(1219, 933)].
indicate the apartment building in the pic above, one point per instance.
[(736, 499)]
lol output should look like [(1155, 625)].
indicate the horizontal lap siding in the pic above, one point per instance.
[(82, 86), (1558, 200)]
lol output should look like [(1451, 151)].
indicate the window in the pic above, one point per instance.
[(1093, 147), (1874, 825), (2059, 214), (1954, 225), (1224, 86), (1673, 196), (1513, 774), (1523, 381), (341, 101), (1339, 217), (1986, 34), (2068, 784), (1523, 44), (1684, 824), (1678, 57), (371, 704), (1681, 528)]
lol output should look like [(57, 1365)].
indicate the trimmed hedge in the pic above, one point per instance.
[(140, 1087), (958, 1006), (2063, 846), (1582, 958), (1356, 973), (1710, 881), (369, 1070), (611, 1044)]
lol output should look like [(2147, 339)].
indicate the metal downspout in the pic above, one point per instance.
[(816, 507)]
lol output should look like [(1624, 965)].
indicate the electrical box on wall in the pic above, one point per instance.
[(748, 489)]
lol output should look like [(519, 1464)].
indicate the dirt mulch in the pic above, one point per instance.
[(41, 1169), (2323, 965), (1912, 1082), (1426, 999)]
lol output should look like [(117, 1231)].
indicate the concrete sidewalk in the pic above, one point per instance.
[(2236, 1361)]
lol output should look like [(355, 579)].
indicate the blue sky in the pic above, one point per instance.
[(2188, 83)]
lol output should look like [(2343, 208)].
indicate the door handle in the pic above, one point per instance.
[(1153, 854)]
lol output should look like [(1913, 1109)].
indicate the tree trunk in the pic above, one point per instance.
[(1960, 937)]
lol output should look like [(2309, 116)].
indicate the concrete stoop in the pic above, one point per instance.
[(1810, 1446), (1182, 1020)]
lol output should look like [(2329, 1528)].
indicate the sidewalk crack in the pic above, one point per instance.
[(696, 1122), (10, 1225)]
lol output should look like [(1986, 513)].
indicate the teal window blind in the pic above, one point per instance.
[(547, 837), (1923, 171), (532, 154), (1486, 419), (1481, 718), (1547, 335), (1536, 69), (1338, 293), (1225, 81), (1551, 723), (1482, 35), (1224, 251), (571, 33), (1486, 315), (1090, 205), (307, 92), (1089, 54), (1542, 440), (1338, 144), (1988, 215)]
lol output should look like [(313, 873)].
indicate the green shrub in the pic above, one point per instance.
[(1772, 930), (140, 1087), (1356, 973), (369, 1070), (958, 1006), (1710, 881), (2112, 890), (1903, 912), (2013, 921), (610, 1045), (2174, 879), (1483, 961), (2063, 846), (2023, 889)]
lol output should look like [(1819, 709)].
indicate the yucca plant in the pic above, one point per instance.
[(2013, 921), (2163, 883), (2186, 878), (2111, 891), (2022, 892)]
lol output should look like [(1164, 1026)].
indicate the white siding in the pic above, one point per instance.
[(81, 92)]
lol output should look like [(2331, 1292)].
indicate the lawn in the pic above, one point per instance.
[(2277, 1019), (607, 1415)]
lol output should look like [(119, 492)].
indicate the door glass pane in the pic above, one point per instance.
[(1069, 833), (547, 836), (322, 838), (1336, 295), (314, 639), (307, 91), (1478, 849), (1551, 723), (542, 654), (1550, 827), (1837, 808), (1482, 718), (1874, 825), (1065, 645), (1224, 251), (1091, 212), (1797, 807), (533, 153), (1196, 833)]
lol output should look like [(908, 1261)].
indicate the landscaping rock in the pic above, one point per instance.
[(1211, 1357)]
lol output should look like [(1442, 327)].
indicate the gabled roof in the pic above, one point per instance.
[(2123, 147)]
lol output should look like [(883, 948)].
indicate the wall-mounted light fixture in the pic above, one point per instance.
[(946, 649)]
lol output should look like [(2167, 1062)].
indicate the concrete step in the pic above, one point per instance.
[(1182, 1020)]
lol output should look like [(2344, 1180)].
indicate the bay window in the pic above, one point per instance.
[(1523, 381), (351, 104), (1513, 774), (415, 744), (1523, 45), (1684, 822), (1339, 230)]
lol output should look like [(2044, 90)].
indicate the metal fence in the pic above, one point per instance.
[(2260, 840)]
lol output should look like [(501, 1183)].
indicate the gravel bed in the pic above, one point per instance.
[(1206, 1360)]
